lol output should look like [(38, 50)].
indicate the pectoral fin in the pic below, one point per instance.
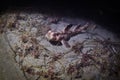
[(65, 43)]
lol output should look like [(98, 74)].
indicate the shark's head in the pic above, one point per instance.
[(50, 35)]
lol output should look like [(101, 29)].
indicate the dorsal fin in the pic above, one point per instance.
[(81, 28), (77, 27), (68, 27)]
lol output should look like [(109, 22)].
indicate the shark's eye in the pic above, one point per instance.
[(55, 34)]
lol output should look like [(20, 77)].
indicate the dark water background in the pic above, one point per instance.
[(105, 13)]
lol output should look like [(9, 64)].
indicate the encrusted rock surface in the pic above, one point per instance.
[(31, 55)]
